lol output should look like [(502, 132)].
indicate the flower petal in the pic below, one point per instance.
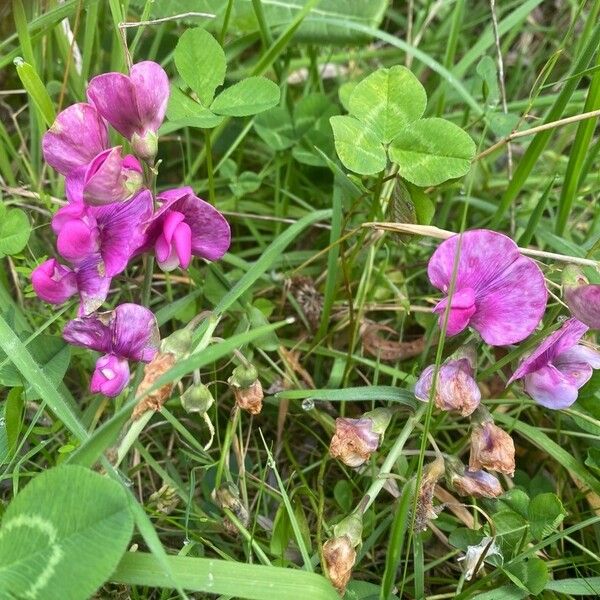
[(91, 332), (462, 308), (53, 282), (151, 85), (556, 343), (122, 227), (110, 376), (135, 332), (550, 388), (584, 303), (93, 283), (113, 95), (490, 264), (76, 136), (579, 354)]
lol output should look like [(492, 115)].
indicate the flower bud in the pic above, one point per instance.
[(227, 496), (471, 483), (425, 510), (582, 297), (247, 388), (145, 146), (53, 282), (339, 557), (197, 399), (476, 555), (111, 375), (165, 499), (491, 448), (456, 389), (111, 178), (353, 441), (178, 343)]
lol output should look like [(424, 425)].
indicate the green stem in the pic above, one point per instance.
[(231, 427), (393, 455), (209, 167)]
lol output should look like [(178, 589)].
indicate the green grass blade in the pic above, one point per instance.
[(536, 215), (539, 142), (577, 156), (373, 393), (35, 88), (239, 580)]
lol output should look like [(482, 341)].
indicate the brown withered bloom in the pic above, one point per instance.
[(308, 298), (491, 448), (355, 440), (172, 349), (471, 483), (227, 496), (426, 511), (247, 388), (339, 556)]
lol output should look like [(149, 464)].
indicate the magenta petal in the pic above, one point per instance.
[(74, 182), (135, 332), (510, 308), (77, 239), (89, 332), (579, 354), (113, 95), (162, 249), (584, 303), (93, 284), (552, 346), (53, 282), (122, 227), (76, 136), (172, 219), (169, 196), (490, 264), (110, 376), (550, 388), (462, 308), (182, 240), (151, 85), (107, 180)]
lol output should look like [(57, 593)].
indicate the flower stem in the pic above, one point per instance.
[(392, 457)]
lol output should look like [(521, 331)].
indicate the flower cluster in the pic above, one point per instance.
[(111, 217)]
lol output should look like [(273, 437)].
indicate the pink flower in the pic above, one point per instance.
[(498, 292), (100, 241), (186, 226), (54, 282), (456, 389), (134, 105), (110, 376), (581, 296), (76, 137), (129, 332), (553, 373)]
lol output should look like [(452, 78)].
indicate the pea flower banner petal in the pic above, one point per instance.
[(497, 291)]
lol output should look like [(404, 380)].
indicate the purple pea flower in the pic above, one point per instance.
[(553, 373), (129, 332), (54, 282), (134, 105), (77, 146), (497, 291), (100, 241), (581, 296), (186, 226)]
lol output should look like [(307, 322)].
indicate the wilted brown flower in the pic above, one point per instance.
[(308, 298), (425, 510), (474, 483), (228, 496), (339, 556), (247, 388), (492, 448), (160, 364), (353, 441)]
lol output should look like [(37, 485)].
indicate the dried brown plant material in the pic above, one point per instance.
[(339, 557), (426, 511), (492, 448), (384, 349), (308, 298), (159, 365), (353, 441), (250, 398)]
